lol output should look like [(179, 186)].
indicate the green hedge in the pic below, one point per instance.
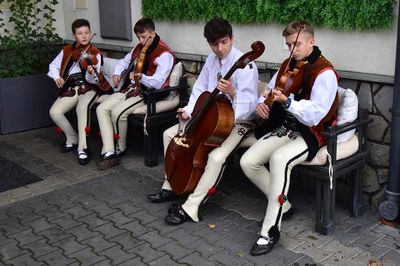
[(346, 15)]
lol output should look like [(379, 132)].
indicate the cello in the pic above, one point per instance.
[(211, 123)]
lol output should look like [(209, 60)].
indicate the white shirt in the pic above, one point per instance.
[(55, 66), (164, 64), (243, 80), (311, 112)]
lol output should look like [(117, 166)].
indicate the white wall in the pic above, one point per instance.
[(366, 52)]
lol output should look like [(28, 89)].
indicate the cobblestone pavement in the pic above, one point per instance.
[(81, 216)]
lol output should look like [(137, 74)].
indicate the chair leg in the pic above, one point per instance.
[(357, 206), (325, 207), (150, 148)]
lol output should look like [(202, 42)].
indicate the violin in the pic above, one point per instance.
[(138, 69), (86, 56), (291, 81)]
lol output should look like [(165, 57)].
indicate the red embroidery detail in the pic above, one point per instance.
[(116, 136), (212, 191), (282, 198), (87, 129), (59, 130)]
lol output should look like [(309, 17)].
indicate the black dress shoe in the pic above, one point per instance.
[(162, 196), (176, 216), (108, 162), (83, 158), (66, 148), (272, 238)]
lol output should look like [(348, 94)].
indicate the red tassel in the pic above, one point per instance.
[(116, 136), (87, 129), (59, 130), (282, 198), (212, 191)]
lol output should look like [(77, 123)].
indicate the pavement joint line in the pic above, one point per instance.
[(379, 239)]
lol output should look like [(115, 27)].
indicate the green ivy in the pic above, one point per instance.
[(30, 45), (348, 15)]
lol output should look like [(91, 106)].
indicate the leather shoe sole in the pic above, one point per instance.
[(107, 163), (83, 161)]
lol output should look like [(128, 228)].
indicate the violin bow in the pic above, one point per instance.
[(80, 58), (294, 45)]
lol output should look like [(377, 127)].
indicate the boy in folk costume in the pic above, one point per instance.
[(298, 120), (156, 68), (79, 87), (240, 89)]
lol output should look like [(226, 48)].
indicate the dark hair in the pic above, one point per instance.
[(80, 22), (144, 24), (294, 26), (217, 28)]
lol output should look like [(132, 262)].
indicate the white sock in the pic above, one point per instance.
[(82, 155), (108, 154), (262, 241)]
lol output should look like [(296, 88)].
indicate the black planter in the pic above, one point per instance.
[(25, 102)]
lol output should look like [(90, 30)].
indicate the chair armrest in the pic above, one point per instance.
[(360, 124), (151, 94)]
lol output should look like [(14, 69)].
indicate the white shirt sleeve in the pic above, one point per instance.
[(311, 112), (123, 64), (199, 86), (245, 82), (55, 66), (271, 85), (164, 64)]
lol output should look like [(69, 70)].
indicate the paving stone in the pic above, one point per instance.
[(69, 245), (177, 251), (237, 219), (146, 252), (196, 259), (102, 209), (39, 248), (225, 258), (135, 228), (82, 232), (98, 243), (4, 240), (306, 261), (11, 250), (40, 225), (67, 222), (309, 249), (360, 231), (78, 212), (87, 257), (315, 239), (145, 217), (206, 250), (366, 245), (392, 257), (109, 230), (361, 259), (54, 234), (164, 260), (118, 218), (116, 254), (12, 227), (137, 262), (26, 237), (51, 214), (235, 231), (127, 241), (23, 260), (155, 239), (92, 220), (128, 208), (204, 232), (343, 252), (287, 256), (387, 230), (182, 237)]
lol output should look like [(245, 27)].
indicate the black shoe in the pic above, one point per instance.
[(65, 148), (162, 196), (176, 216), (272, 238), (286, 216), (108, 162), (85, 160)]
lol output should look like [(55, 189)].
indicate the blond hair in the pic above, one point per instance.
[(294, 27)]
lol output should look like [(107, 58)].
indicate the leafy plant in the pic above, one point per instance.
[(360, 15), (29, 42)]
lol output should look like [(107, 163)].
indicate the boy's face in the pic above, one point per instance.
[(304, 45), (82, 35), (146, 37), (222, 47)]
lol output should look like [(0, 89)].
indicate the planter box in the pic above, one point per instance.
[(25, 102)]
